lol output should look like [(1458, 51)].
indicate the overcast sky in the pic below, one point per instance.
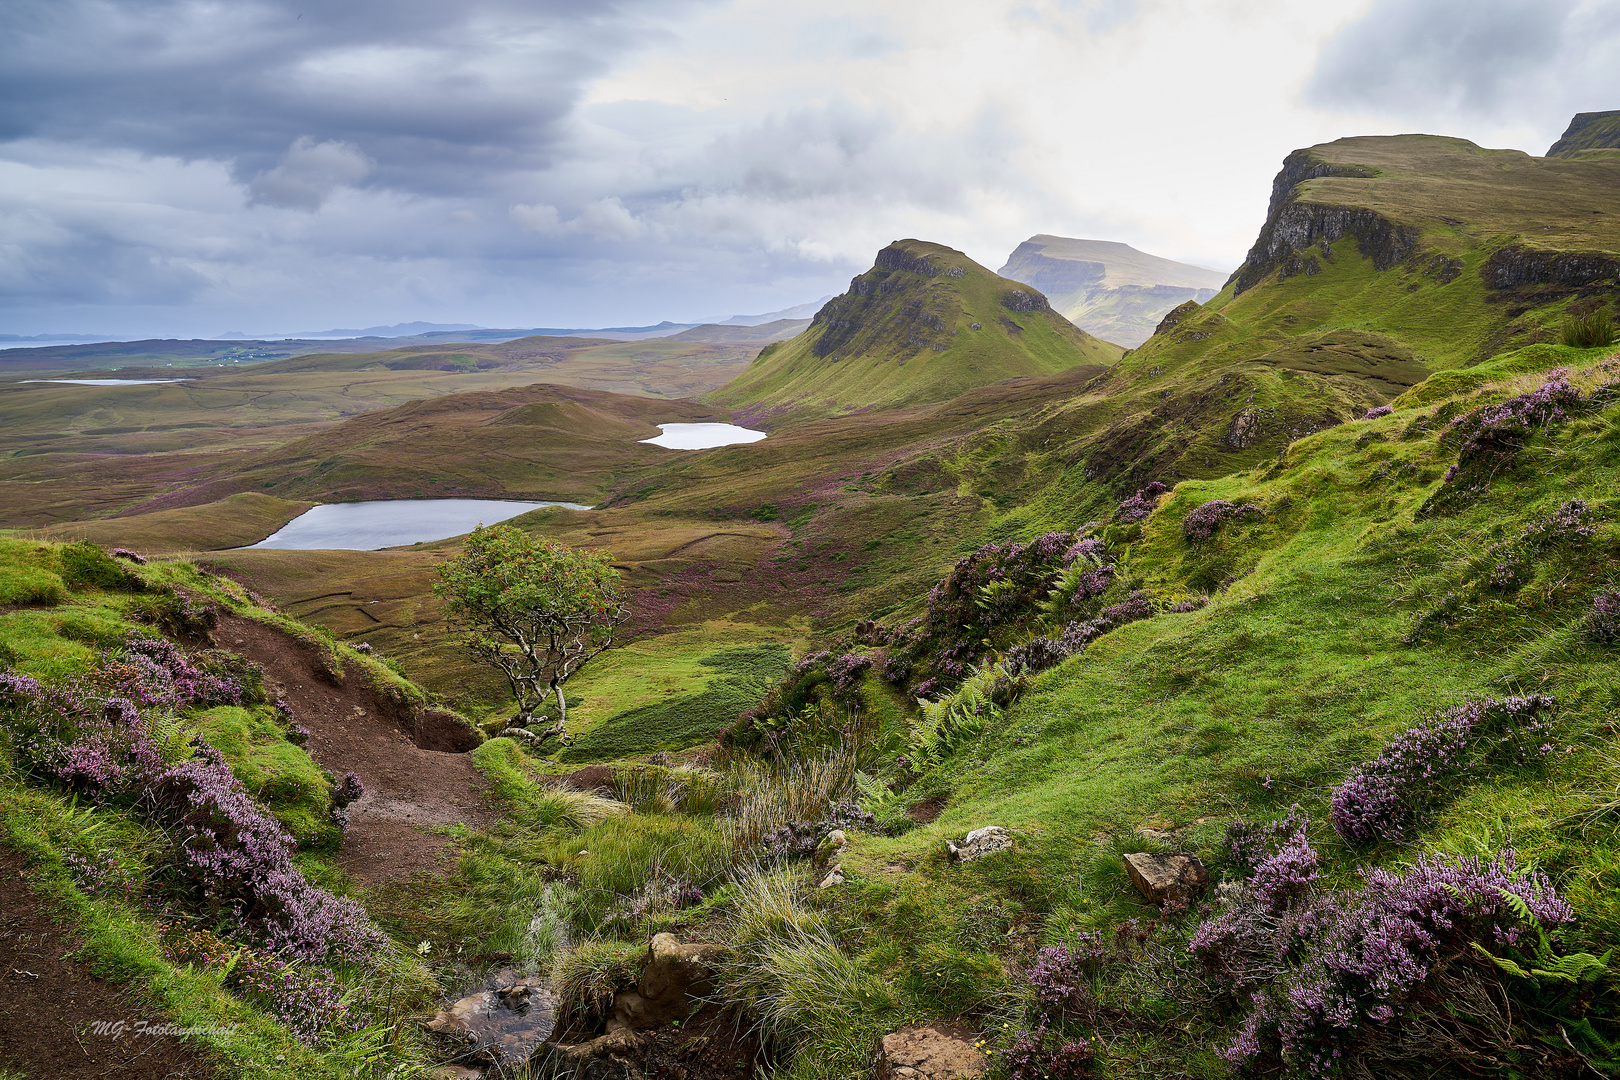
[(190, 167)]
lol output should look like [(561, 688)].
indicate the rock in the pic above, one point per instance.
[(1158, 836), (835, 876), (837, 838), (501, 1026), (618, 1055), (1165, 877), (454, 1072), (671, 976), (929, 1052), (979, 843)]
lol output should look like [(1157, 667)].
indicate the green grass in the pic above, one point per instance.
[(278, 773), (740, 676)]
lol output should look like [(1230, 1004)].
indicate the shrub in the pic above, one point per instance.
[(1204, 521), (1594, 330), (1492, 436), (1393, 794), (1378, 410), (1350, 964), (1141, 505), (1058, 978), (1602, 623), (1572, 524), (1034, 1055)]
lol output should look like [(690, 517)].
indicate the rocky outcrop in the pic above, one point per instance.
[(1166, 877), (895, 258), (1588, 131), (1516, 267), (979, 843), (929, 1052), (1024, 300), (672, 977)]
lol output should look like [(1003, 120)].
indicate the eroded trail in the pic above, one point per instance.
[(408, 789), (59, 1021)]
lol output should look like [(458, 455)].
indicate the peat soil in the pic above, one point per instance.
[(48, 1004), (408, 790)]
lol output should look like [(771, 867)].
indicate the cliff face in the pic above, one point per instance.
[(1108, 289), (1588, 131)]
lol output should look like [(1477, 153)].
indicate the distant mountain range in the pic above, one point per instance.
[(1108, 289)]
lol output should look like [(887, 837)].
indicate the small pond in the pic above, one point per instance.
[(703, 436), (105, 382), (366, 526)]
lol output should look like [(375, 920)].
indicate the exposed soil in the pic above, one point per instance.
[(927, 811), (48, 1004), (409, 790)]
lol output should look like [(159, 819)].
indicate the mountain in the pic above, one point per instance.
[(923, 325), (1106, 288), (409, 329), (797, 311), (1588, 131)]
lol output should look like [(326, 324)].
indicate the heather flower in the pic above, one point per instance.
[(132, 556), (1378, 410), (1141, 505), (1204, 521), (1390, 796), (1191, 603), (1493, 434), (1060, 974), (1090, 550), (1314, 979), (1030, 1057), (1602, 622), (1572, 524), (846, 673), (348, 790)]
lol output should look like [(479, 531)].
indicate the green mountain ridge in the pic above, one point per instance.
[(1107, 288), (923, 325)]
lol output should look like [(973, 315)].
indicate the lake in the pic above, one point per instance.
[(105, 382), (703, 436), (366, 526)]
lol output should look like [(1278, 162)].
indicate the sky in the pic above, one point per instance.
[(186, 168)]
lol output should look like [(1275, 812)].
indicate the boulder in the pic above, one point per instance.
[(980, 842), (835, 876), (618, 1055), (929, 1052), (671, 977), (1166, 877)]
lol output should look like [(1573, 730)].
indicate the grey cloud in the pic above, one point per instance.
[(439, 95), (309, 173), (1468, 54)]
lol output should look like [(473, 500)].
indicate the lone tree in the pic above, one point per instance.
[(536, 609)]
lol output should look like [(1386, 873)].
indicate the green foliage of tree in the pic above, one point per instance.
[(535, 609)]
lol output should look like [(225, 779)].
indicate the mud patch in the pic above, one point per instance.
[(49, 1005), (927, 811)]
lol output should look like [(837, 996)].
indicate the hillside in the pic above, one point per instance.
[(923, 325), (1108, 289)]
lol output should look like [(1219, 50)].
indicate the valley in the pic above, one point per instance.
[(1307, 592)]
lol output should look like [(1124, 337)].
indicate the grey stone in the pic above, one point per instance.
[(980, 842)]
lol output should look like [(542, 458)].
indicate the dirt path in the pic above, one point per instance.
[(408, 789), (49, 1006)]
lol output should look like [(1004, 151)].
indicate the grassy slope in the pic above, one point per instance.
[(912, 341), (1267, 696)]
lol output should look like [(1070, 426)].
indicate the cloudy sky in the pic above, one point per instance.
[(190, 167)]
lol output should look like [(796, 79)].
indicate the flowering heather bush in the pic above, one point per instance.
[(1033, 1057), (990, 596), (1285, 876), (1571, 524), (101, 875), (1378, 410), (896, 668), (1393, 794), (156, 674), (1203, 522), (1509, 576), (176, 614), (846, 673), (1192, 603), (1602, 622), (1060, 973), (132, 556), (1316, 980), (1141, 505), (1034, 655), (1494, 434), (1091, 550), (304, 998), (348, 790)]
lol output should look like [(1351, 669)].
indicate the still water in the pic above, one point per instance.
[(105, 382), (366, 526), (703, 436)]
